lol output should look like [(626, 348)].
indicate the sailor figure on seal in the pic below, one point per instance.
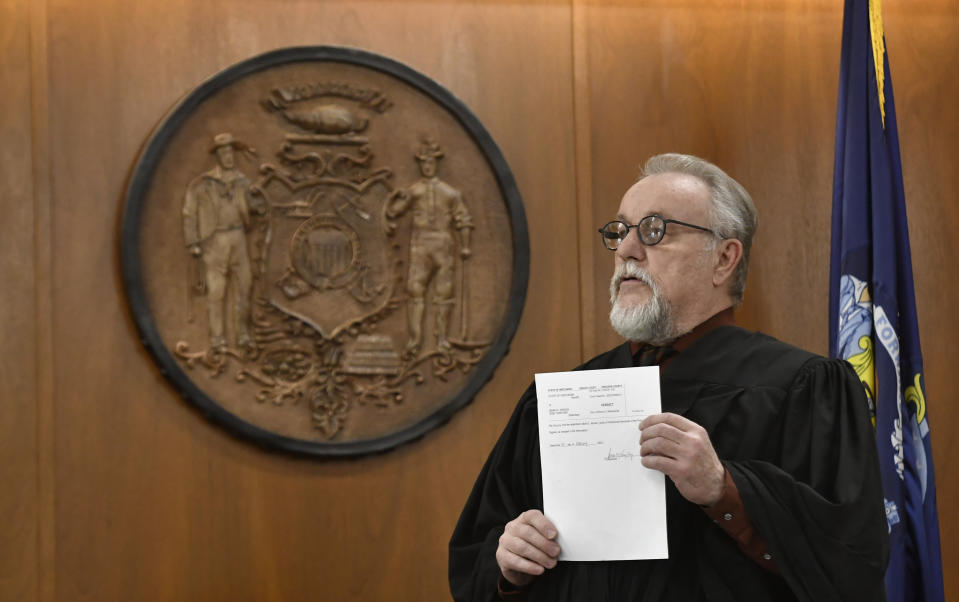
[(216, 215)]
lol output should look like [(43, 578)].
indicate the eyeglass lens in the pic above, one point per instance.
[(615, 232), (650, 229)]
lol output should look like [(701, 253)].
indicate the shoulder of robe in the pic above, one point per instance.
[(737, 357)]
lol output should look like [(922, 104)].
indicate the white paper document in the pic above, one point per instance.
[(605, 504)]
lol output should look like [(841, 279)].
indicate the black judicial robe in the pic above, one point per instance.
[(793, 430)]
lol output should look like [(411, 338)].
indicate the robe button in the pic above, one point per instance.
[(727, 516), (767, 556)]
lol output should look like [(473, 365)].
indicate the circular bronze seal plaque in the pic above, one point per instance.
[(324, 251)]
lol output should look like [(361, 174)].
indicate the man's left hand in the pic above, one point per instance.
[(681, 449)]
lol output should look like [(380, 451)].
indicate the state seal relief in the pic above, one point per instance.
[(350, 246)]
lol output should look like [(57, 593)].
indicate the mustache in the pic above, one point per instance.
[(631, 269)]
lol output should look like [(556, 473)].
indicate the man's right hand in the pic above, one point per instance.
[(527, 547), (195, 250)]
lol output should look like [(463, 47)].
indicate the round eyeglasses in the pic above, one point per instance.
[(651, 229)]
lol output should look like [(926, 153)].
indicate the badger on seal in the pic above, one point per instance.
[(327, 119)]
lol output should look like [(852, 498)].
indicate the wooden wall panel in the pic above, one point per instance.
[(19, 472), (121, 491), (153, 503)]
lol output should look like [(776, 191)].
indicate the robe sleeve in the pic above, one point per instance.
[(730, 514), (508, 485), (821, 508)]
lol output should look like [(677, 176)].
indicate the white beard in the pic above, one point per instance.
[(650, 322)]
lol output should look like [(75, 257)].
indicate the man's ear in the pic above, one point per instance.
[(729, 254)]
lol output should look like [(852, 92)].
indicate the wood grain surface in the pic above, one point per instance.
[(118, 490), (19, 471)]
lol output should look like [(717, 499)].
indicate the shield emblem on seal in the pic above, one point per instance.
[(328, 261)]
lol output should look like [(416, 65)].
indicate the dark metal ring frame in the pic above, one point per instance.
[(130, 257)]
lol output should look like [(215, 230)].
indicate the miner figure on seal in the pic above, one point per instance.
[(216, 215), (438, 208)]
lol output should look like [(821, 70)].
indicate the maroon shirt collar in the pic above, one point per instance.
[(723, 318)]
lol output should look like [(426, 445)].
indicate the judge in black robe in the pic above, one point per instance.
[(794, 432), (782, 432)]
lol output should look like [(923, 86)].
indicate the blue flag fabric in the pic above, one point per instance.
[(872, 308)]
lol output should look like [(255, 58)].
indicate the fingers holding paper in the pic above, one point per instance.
[(681, 449), (527, 547)]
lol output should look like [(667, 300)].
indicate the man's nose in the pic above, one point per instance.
[(631, 247)]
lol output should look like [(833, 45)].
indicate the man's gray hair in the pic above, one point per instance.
[(732, 213)]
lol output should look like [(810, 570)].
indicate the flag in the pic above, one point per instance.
[(872, 307)]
